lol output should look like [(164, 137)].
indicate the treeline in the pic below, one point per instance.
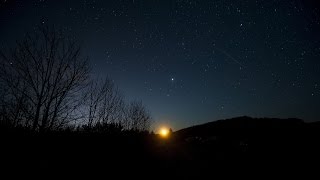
[(46, 85)]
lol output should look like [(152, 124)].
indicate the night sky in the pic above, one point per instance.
[(192, 62)]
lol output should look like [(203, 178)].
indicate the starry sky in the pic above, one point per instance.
[(192, 61)]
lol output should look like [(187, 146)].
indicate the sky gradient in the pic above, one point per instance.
[(192, 62)]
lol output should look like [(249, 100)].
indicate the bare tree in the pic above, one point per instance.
[(138, 118), (104, 103), (42, 77), (105, 107)]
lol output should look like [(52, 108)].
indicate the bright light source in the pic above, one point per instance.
[(164, 132)]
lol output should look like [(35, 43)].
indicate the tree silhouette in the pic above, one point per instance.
[(45, 85), (104, 108), (138, 118), (42, 78), (104, 103)]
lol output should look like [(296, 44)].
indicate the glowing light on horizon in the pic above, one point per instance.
[(164, 132)]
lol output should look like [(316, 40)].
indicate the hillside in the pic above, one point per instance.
[(246, 142), (241, 125)]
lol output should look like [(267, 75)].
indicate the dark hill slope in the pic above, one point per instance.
[(242, 125), (252, 140)]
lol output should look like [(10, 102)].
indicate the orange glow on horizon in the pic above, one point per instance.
[(164, 132)]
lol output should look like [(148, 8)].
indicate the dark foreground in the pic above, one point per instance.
[(241, 148)]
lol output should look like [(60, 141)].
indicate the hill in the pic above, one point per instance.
[(245, 142), (242, 124)]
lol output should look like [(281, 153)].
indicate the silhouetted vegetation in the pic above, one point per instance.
[(245, 144), (46, 86)]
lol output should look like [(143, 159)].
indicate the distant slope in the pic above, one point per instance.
[(243, 125), (240, 140)]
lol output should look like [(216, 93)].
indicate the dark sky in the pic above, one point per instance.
[(192, 62)]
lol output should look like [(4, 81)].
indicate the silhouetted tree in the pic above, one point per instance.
[(138, 118), (104, 103), (42, 78)]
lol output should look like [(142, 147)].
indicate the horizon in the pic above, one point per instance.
[(237, 117)]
